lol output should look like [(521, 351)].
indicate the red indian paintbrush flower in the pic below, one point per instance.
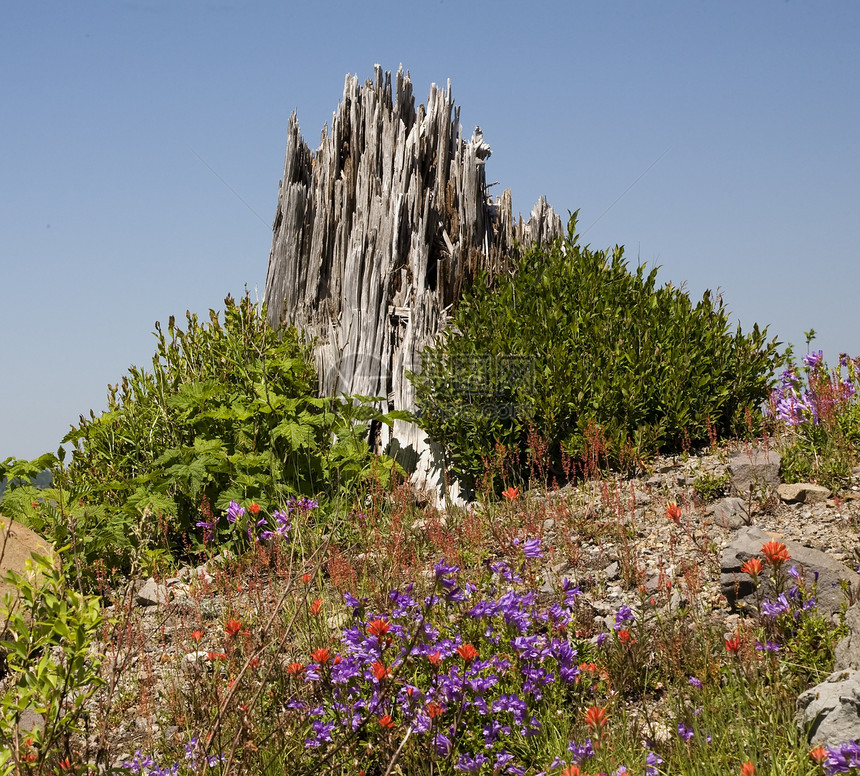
[(596, 717), (295, 669), (753, 567), (819, 755), (314, 608), (320, 655), (467, 652), (385, 721), (378, 628), (197, 635), (435, 658), (733, 645), (673, 513), (232, 627), (381, 671), (434, 709), (511, 493), (775, 553), (747, 769)]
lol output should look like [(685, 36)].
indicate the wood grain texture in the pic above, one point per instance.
[(378, 232)]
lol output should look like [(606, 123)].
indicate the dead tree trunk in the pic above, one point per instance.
[(377, 234)]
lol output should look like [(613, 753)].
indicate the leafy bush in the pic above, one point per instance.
[(578, 351), (45, 641), (229, 412)]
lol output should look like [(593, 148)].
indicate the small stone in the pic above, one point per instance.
[(803, 492), (152, 594)]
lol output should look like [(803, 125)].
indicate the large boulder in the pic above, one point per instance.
[(739, 590), (829, 711), (17, 544)]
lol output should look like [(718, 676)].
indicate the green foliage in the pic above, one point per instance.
[(710, 486), (575, 347), (51, 669), (229, 411)]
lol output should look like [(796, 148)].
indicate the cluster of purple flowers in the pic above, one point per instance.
[(418, 667), (146, 765), (844, 758), (796, 406), (282, 521)]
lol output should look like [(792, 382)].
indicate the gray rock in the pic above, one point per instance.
[(731, 513), (152, 594), (830, 711), (30, 721), (738, 588), (848, 649), (803, 492), (757, 468)]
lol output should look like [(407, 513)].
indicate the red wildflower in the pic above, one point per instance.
[(254, 509), (434, 709), (320, 655), (315, 607), (435, 659), (197, 635), (216, 655), (673, 513), (753, 567), (295, 669), (733, 645), (306, 578), (571, 770), (381, 671), (595, 717), (818, 755), (747, 769), (65, 765), (624, 636), (232, 627), (467, 652), (378, 628), (511, 493), (385, 721), (775, 553)]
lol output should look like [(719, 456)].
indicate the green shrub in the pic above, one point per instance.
[(228, 412), (576, 350)]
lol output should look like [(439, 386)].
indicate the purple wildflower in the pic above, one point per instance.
[(234, 512), (843, 758), (531, 549), (697, 683), (775, 608), (813, 359), (684, 732), (769, 646), (622, 617), (651, 763)]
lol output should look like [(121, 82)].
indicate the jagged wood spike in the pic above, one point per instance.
[(378, 232)]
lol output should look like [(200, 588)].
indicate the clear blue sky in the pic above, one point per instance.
[(109, 221)]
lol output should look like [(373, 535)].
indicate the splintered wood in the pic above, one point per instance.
[(377, 234)]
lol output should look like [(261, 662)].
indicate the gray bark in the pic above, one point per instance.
[(378, 232)]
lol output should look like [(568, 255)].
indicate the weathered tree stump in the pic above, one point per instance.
[(377, 234)]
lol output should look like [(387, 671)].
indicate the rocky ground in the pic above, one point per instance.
[(612, 536)]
